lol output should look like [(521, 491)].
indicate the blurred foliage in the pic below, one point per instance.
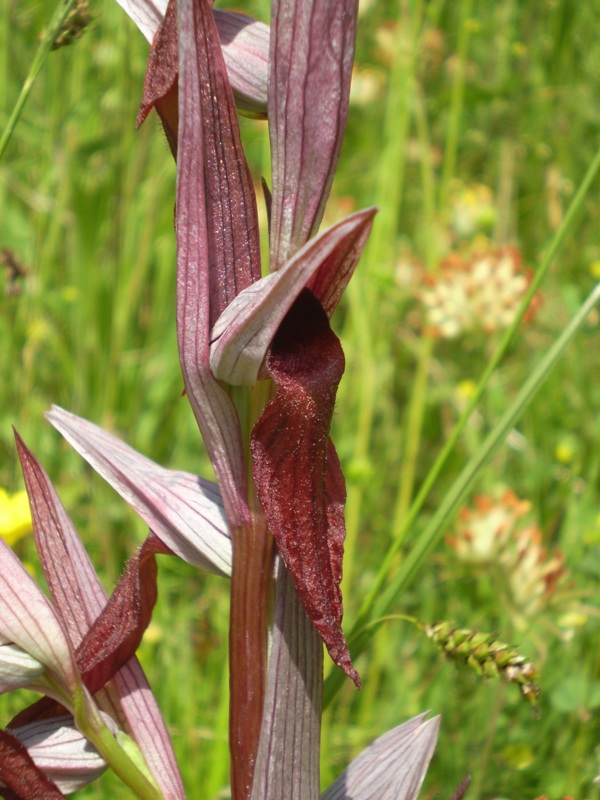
[(501, 101)]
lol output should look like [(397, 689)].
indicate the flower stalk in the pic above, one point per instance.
[(119, 761), (252, 551)]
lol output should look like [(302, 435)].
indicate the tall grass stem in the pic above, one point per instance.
[(385, 599), (50, 35)]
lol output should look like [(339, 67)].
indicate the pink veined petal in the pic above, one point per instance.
[(80, 599), (184, 511), (393, 767), (111, 642), (245, 49), (18, 669), (287, 763), (74, 586), (245, 43), (62, 753), (147, 14), (243, 333), (147, 727), (28, 620), (312, 52), (217, 186), (218, 252)]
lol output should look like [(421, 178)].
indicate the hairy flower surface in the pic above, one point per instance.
[(85, 645)]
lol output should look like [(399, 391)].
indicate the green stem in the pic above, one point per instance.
[(456, 103), (362, 295), (418, 397), (50, 36), (392, 162), (89, 721), (440, 462), (118, 760), (493, 717), (486, 751), (414, 425), (393, 618)]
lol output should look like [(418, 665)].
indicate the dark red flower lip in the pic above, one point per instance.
[(297, 473)]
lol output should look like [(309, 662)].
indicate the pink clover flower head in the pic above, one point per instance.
[(477, 294), (483, 531)]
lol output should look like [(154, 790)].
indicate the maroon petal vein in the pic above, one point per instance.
[(224, 187), (287, 763), (76, 591), (312, 52), (218, 250), (79, 599), (245, 44), (297, 472)]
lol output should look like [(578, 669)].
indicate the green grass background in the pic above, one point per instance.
[(507, 95)]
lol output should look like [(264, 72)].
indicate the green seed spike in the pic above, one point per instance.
[(77, 20), (486, 656)]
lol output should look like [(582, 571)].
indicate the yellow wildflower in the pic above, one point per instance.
[(15, 518)]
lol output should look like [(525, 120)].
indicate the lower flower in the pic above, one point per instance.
[(63, 754)]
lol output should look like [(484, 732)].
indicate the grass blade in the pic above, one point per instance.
[(359, 637), (49, 37)]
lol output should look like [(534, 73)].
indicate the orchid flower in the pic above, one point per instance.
[(61, 753), (380, 771), (86, 647), (261, 366), (237, 328), (245, 45), (183, 510)]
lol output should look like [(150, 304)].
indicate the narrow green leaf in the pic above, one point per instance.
[(360, 637), (50, 36)]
